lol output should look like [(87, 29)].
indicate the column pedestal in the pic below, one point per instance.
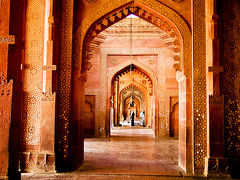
[(216, 163), (216, 166)]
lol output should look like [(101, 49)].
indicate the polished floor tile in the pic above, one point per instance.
[(129, 154), (131, 151)]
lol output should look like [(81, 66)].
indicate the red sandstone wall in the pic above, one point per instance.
[(150, 60)]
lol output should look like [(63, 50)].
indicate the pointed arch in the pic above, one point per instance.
[(101, 15), (146, 70), (151, 11)]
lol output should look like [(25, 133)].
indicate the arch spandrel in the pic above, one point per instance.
[(176, 20), (135, 85)]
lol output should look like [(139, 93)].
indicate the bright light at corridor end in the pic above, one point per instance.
[(132, 16)]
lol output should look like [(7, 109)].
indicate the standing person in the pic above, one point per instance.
[(143, 118), (132, 118)]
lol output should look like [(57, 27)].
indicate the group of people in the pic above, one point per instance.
[(131, 119), (142, 118)]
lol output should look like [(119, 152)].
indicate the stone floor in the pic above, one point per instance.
[(135, 156), (133, 131)]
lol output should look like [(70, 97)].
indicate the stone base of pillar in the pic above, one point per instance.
[(37, 163), (3, 177), (234, 164), (216, 167)]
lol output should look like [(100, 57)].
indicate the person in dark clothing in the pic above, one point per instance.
[(132, 118)]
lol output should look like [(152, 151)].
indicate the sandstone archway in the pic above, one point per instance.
[(175, 26), (144, 84)]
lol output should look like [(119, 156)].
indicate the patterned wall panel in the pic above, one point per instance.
[(32, 81), (231, 77), (64, 80), (199, 85), (5, 117)]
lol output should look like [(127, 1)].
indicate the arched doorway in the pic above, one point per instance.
[(133, 86), (176, 28)]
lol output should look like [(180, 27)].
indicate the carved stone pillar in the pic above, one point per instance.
[(185, 123), (32, 85), (216, 163), (47, 138), (64, 88), (5, 114), (199, 85), (78, 114)]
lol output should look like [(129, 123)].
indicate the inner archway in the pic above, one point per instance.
[(127, 83), (131, 92)]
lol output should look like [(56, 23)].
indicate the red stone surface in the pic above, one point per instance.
[(174, 117), (5, 115), (89, 121)]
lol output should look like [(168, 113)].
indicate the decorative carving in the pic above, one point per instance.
[(64, 81), (32, 81), (48, 96), (91, 49), (114, 61), (88, 66), (176, 66), (7, 39), (151, 61), (37, 163), (49, 68), (120, 14), (105, 8), (91, 1), (216, 100), (231, 76), (122, 82), (199, 85), (47, 139), (5, 117)]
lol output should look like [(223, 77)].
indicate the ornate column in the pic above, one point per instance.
[(215, 162), (47, 134), (199, 85), (78, 114), (229, 57), (32, 159), (64, 88)]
